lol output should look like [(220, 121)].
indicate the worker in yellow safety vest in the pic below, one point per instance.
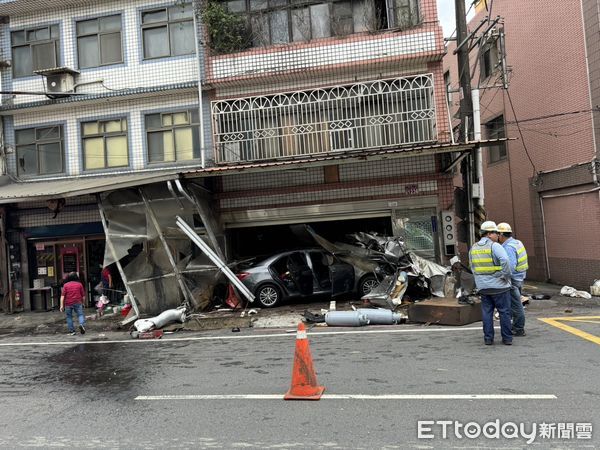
[(517, 257), (491, 269)]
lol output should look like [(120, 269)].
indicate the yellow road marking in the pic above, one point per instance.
[(556, 322), (596, 322)]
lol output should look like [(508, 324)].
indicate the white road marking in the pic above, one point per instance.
[(355, 397), (250, 336)]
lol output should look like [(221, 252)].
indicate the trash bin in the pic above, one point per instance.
[(38, 301)]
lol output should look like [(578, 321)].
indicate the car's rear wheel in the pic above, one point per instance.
[(367, 284), (268, 295)]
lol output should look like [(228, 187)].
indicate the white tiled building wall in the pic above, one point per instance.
[(40, 217), (329, 195), (249, 181), (315, 175), (134, 72), (391, 168), (420, 167), (309, 57), (133, 109)]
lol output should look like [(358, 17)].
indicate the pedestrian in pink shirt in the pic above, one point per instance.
[(71, 300)]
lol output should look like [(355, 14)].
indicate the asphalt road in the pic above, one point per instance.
[(72, 392)]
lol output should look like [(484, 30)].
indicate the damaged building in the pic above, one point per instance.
[(119, 117)]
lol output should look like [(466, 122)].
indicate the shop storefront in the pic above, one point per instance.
[(52, 259)]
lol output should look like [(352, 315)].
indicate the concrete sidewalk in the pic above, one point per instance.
[(54, 322)]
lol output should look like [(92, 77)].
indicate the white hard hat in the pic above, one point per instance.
[(504, 228), (489, 225)]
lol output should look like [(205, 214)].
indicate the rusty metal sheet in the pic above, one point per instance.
[(444, 311)]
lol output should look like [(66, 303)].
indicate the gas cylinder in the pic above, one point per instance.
[(346, 319), (380, 316)]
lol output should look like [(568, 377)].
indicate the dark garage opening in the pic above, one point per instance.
[(272, 239)]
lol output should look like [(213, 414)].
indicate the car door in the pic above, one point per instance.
[(300, 273), (342, 277), (317, 260)]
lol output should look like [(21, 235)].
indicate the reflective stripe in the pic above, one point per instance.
[(482, 252), (522, 261), (487, 269)]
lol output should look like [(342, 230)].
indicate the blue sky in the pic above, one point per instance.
[(446, 14)]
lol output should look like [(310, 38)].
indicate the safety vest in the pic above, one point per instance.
[(522, 262), (482, 261)]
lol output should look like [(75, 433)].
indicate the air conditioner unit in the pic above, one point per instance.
[(59, 79)]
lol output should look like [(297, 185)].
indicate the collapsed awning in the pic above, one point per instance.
[(73, 187)]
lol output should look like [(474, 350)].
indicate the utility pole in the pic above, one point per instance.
[(464, 73), (466, 111)]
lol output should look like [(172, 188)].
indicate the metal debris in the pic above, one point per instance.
[(399, 270)]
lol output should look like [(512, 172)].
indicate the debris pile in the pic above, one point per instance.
[(402, 274), (569, 291), (143, 327)]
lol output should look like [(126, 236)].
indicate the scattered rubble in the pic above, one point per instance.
[(595, 288), (166, 317), (399, 271), (569, 291)]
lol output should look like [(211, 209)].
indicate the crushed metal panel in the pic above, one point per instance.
[(214, 258), (348, 253), (149, 246), (74, 187)]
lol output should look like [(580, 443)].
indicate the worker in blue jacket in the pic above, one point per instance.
[(517, 256), (491, 268)]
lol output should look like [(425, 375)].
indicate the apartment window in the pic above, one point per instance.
[(34, 49), (39, 150), (173, 136), (105, 144), (448, 84), (495, 130), (489, 60), (99, 41), (168, 31), (281, 21)]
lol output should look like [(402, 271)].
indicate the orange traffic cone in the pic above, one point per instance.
[(304, 380)]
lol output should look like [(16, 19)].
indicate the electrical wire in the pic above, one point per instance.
[(549, 116), (520, 132), (466, 14)]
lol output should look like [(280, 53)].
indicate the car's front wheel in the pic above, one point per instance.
[(268, 295), (367, 284)]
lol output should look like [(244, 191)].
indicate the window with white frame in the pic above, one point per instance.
[(495, 130), (168, 31), (382, 113), (99, 41), (34, 48), (40, 150), (273, 22), (173, 136), (104, 144)]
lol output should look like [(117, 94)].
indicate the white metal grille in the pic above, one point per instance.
[(361, 116)]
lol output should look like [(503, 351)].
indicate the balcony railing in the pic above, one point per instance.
[(361, 116)]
